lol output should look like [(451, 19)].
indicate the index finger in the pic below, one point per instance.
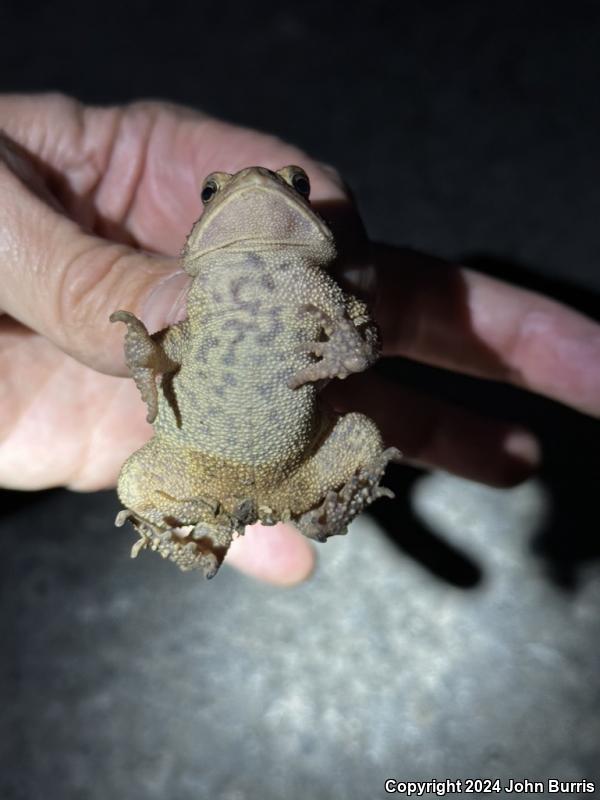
[(453, 317)]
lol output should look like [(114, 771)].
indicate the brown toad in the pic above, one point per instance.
[(241, 435)]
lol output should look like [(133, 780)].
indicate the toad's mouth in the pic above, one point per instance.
[(253, 244), (259, 219)]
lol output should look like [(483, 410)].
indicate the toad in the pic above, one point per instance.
[(241, 434)]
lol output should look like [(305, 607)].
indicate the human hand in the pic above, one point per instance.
[(96, 204)]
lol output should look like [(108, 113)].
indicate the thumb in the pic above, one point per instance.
[(64, 282)]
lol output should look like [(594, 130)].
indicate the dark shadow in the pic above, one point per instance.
[(13, 502), (170, 396), (571, 471), (416, 540), (348, 229)]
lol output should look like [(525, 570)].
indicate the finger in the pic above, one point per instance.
[(277, 554), (61, 423), (137, 169), (64, 282), (432, 433), (452, 317)]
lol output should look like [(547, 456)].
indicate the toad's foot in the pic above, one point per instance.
[(202, 547), (345, 351), (340, 507)]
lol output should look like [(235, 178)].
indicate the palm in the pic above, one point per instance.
[(62, 422)]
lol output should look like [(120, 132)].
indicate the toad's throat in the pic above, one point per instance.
[(248, 245)]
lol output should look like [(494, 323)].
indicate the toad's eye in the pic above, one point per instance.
[(301, 183), (209, 190)]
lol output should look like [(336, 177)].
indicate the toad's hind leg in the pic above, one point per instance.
[(170, 500), (352, 460)]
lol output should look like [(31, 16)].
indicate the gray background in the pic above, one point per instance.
[(453, 633)]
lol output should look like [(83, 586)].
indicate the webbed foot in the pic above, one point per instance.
[(340, 507), (343, 352), (202, 547)]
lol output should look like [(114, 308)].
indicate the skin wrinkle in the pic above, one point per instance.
[(64, 115), (90, 448), (498, 321), (53, 429), (85, 176), (82, 277), (85, 443), (71, 142), (15, 167), (31, 264), (24, 402), (516, 347), (541, 341), (25, 128), (13, 229), (182, 206), (79, 160), (58, 151), (80, 154), (43, 453), (128, 163), (88, 281), (37, 267), (28, 402)]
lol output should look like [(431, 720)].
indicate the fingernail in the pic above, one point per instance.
[(524, 447), (276, 554), (166, 304), (332, 173)]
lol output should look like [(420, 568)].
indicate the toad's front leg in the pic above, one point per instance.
[(146, 356), (346, 349)]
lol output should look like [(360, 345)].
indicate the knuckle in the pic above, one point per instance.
[(86, 280)]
